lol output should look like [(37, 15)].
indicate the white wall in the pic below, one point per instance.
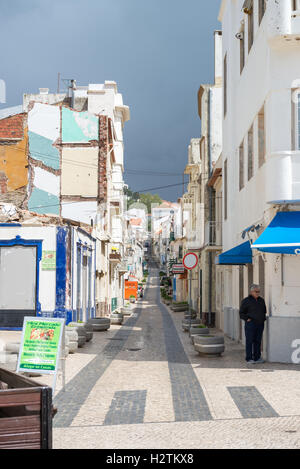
[(270, 70)]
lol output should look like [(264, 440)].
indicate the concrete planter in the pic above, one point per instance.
[(10, 361), (116, 318), (179, 309), (12, 348), (209, 345), (81, 331), (126, 311), (72, 334), (194, 332), (189, 316), (99, 324), (89, 331), (199, 331), (81, 341), (73, 346), (187, 324)]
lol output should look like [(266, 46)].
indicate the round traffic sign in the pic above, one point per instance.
[(190, 261)]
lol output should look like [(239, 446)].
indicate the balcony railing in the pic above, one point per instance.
[(213, 234)]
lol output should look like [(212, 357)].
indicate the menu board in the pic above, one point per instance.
[(41, 344)]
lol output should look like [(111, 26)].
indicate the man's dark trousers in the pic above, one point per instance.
[(254, 333)]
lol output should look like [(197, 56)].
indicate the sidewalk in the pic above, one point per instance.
[(142, 385)]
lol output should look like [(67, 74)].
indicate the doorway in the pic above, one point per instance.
[(18, 284)]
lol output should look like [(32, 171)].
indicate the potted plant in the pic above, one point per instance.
[(132, 299)]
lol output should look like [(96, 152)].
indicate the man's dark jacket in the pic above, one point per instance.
[(253, 309)]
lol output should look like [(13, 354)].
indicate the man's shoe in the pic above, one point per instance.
[(250, 362), (260, 360)]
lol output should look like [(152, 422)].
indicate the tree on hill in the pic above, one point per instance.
[(146, 199)]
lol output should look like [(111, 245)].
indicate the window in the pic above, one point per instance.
[(261, 137), (296, 119), (261, 10), (225, 85), (242, 49), (225, 189), (295, 5), (250, 26), (241, 172), (250, 153)]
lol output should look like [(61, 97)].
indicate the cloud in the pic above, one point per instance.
[(158, 51)]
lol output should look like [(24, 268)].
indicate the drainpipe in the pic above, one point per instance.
[(210, 209)]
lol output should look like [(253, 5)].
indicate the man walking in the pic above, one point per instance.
[(253, 311)]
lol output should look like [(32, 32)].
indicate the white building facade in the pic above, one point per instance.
[(261, 176)]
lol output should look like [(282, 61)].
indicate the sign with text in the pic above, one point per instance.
[(49, 260), (178, 269), (40, 345)]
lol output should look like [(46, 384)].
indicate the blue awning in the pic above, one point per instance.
[(282, 236), (239, 255)]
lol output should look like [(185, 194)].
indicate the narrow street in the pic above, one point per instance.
[(143, 386)]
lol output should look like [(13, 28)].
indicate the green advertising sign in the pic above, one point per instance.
[(40, 346), (49, 260)]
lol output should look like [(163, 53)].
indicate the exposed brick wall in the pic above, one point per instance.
[(12, 127), (103, 152), (16, 197)]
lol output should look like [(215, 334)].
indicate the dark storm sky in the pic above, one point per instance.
[(158, 51)]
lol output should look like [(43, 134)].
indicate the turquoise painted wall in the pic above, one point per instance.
[(43, 202), (79, 127), (42, 149)]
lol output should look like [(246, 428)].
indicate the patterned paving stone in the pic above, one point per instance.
[(127, 408), (188, 397), (251, 403), (78, 389)]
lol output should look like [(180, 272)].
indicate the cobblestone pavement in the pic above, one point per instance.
[(142, 385)]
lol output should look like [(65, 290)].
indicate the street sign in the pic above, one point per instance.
[(190, 261), (178, 269)]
